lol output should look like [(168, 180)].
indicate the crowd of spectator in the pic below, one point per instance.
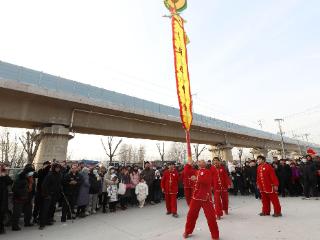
[(80, 190)]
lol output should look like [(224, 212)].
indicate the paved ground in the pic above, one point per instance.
[(301, 221)]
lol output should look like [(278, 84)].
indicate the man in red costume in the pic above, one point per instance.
[(188, 172), (202, 198), (221, 184), (268, 184), (169, 186)]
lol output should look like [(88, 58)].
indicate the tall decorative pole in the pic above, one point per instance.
[(180, 41)]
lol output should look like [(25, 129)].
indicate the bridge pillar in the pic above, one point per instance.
[(223, 151), (260, 151), (53, 145)]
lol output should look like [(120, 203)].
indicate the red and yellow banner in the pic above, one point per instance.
[(180, 41), (181, 69)]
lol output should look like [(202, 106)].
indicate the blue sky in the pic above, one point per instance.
[(249, 60)]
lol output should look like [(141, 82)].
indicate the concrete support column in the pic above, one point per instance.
[(53, 145), (259, 151), (223, 151)]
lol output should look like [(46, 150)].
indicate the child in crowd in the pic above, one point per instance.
[(142, 192), (113, 193)]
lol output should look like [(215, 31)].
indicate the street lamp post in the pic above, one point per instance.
[(279, 120)]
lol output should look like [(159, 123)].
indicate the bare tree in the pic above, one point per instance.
[(176, 151), (161, 150), (141, 153), (111, 147), (240, 153), (198, 150), (11, 153), (30, 143)]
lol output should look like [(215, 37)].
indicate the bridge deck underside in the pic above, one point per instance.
[(26, 110)]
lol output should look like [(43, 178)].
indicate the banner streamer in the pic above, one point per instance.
[(180, 41)]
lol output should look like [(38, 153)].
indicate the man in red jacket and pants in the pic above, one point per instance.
[(202, 198), (221, 184), (188, 172), (268, 184), (169, 186)]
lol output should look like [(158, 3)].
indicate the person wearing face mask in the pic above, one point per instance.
[(5, 182), (23, 192)]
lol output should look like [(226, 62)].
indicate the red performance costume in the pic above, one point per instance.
[(202, 198), (221, 184), (169, 185), (188, 172), (266, 181)]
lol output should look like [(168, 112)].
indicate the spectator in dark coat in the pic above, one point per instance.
[(284, 175), (148, 174), (40, 175), (71, 184), (5, 182), (124, 178), (50, 190), (310, 178), (253, 179), (94, 180), (23, 191)]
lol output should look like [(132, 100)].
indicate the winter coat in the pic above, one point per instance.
[(52, 185), (113, 192), (21, 188), (309, 171), (107, 180), (94, 184), (148, 174), (284, 173), (5, 182), (42, 173), (135, 178), (71, 189), (253, 174), (127, 181), (83, 196), (142, 191)]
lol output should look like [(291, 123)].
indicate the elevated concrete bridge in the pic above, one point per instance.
[(32, 99)]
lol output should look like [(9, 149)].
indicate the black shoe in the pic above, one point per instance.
[(16, 228), (63, 220), (50, 223), (277, 215), (41, 227), (28, 224), (168, 213), (263, 214), (175, 215)]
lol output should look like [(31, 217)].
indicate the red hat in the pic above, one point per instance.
[(311, 151)]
